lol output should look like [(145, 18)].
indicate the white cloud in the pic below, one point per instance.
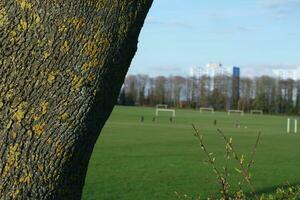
[(159, 70), (282, 70), (169, 23), (282, 8)]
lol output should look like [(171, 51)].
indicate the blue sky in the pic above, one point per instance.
[(258, 35)]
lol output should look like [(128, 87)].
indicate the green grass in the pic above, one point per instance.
[(134, 161)]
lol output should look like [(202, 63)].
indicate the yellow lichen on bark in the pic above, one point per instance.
[(87, 65), (91, 77), (77, 83), (36, 17), (46, 55), (36, 117), (64, 116), (23, 25), (20, 113), (9, 94), (90, 49), (24, 4), (56, 55), (14, 194), (78, 23), (44, 107), (39, 129), (29, 133), (26, 178), (52, 75), (12, 158), (65, 47), (12, 35), (3, 16), (40, 167), (62, 28), (13, 135)]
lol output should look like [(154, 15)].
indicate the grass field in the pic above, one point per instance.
[(134, 161)]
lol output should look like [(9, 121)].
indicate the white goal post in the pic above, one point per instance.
[(165, 110), (289, 125), (257, 112), (236, 111), (206, 109)]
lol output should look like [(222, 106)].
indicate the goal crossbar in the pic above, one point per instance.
[(257, 111), (165, 110), (235, 111), (207, 109), (165, 106)]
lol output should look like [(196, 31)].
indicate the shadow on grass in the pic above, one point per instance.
[(272, 189)]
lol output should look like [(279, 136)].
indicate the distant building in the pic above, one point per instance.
[(215, 79), (236, 74)]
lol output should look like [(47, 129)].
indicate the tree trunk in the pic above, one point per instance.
[(62, 63)]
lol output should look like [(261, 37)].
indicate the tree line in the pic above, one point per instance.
[(270, 94)]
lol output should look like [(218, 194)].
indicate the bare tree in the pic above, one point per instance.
[(131, 89), (247, 93), (160, 89), (178, 84), (142, 81)]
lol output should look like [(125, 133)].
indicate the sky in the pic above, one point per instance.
[(260, 36)]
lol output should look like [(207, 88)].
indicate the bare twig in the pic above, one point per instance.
[(251, 161), (243, 170), (211, 160)]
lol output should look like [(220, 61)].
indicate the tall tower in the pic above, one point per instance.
[(235, 87)]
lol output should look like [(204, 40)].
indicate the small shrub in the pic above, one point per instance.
[(243, 168)]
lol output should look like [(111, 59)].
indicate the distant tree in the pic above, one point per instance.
[(220, 92), (247, 94), (131, 89), (122, 97), (178, 85), (286, 93), (297, 103), (150, 98), (62, 64), (290, 95), (263, 90), (274, 104), (218, 99), (160, 89), (265, 93), (169, 95), (204, 88), (142, 81)]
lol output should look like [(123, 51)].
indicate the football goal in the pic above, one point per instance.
[(236, 111), (165, 110), (207, 109), (257, 112)]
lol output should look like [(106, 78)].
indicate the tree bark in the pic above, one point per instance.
[(62, 63)]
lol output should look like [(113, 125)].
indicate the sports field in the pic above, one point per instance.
[(153, 160)]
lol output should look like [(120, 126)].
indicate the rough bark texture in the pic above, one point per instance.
[(62, 63)]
